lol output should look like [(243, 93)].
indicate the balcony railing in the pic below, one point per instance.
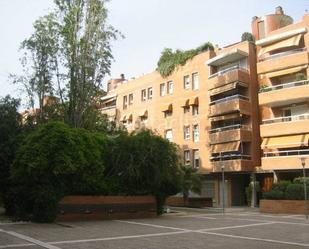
[(232, 156), (234, 68), (237, 96), (282, 86), (108, 107), (229, 127), (286, 153), (278, 55), (286, 119)]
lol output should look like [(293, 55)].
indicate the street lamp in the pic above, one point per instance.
[(303, 163), (223, 188)]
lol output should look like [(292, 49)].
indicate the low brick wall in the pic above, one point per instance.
[(77, 208), (282, 206), (197, 202)]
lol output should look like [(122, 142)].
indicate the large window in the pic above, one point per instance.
[(196, 158), (170, 87), (195, 81), (162, 89), (186, 109), (187, 157), (186, 82), (150, 93), (168, 114), (125, 102), (186, 132), (131, 99), (143, 95), (196, 134), (169, 135)]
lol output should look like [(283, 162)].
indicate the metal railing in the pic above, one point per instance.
[(286, 119), (282, 86), (281, 54), (284, 153), (231, 156), (108, 107), (237, 96), (229, 127), (233, 68)]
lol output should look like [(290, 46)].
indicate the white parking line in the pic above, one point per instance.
[(258, 239), (278, 222), (16, 245), (197, 216), (152, 225), (32, 240), (240, 226), (13, 223)]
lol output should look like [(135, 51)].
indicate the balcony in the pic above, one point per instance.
[(229, 75), (230, 133), (283, 60), (283, 160), (233, 165), (110, 111), (284, 94), (230, 104), (285, 126)]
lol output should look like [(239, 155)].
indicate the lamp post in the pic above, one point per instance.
[(303, 162), (223, 188)]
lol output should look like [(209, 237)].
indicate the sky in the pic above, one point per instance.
[(149, 26)]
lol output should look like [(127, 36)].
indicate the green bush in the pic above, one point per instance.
[(53, 161), (274, 195), (300, 180), (281, 186), (295, 192)]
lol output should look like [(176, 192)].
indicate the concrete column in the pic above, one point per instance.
[(275, 177), (253, 197)]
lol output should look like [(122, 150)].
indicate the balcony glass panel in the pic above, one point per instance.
[(237, 96), (282, 86), (286, 119)]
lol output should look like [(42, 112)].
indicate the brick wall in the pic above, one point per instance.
[(282, 206)]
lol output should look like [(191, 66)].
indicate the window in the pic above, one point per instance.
[(168, 114), (186, 109), (195, 133), (131, 99), (170, 87), (143, 95), (195, 81), (150, 93), (186, 132), (195, 110), (144, 119), (196, 158), (186, 82), (186, 157), (169, 135), (162, 89), (125, 102)]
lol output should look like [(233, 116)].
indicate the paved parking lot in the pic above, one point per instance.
[(241, 229)]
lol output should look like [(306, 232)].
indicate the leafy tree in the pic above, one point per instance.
[(52, 161), (10, 128), (191, 182), (68, 55), (246, 36)]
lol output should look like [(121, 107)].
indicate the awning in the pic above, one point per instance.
[(232, 56), (194, 101), (143, 113), (225, 117), (293, 41), (285, 71), (108, 97), (231, 146), (285, 141), (226, 88), (187, 103), (279, 37), (124, 118), (167, 108)]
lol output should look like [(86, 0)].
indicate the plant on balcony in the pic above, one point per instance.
[(170, 59), (300, 76), (263, 88), (247, 36)]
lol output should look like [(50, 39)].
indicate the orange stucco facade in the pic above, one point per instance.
[(242, 108)]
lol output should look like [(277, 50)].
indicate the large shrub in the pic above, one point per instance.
[(295, 192), (274, 195), (52, 161), (143, 163)]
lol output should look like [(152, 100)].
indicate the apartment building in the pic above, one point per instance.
[(241, 109), (282, 69)]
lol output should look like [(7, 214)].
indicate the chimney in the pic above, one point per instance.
[(279, 11)]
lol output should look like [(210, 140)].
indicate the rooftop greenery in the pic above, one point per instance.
[(170, 59)]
